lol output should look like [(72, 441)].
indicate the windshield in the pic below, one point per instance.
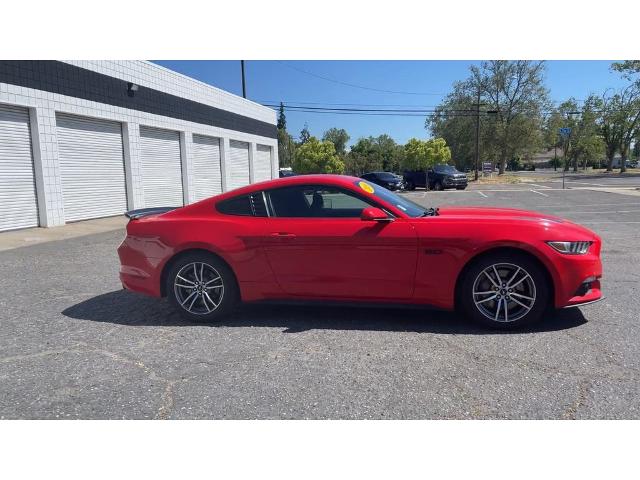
[(386, 176), (407, 206), (445, 168)]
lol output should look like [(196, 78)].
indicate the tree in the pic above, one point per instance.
[(610, 127), (286, 145), (423, 154), (304, 134), (314, 156), (286, 148), (363, 157), (584, 146), (282, 120), (453, 120), (515, 91), (620, 123), (515, 94), (372, 154), (390, 153), (339, 137)]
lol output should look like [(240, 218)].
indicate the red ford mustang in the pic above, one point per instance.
[(339, 238)]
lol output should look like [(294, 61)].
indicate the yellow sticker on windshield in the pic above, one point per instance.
[(366, 187)]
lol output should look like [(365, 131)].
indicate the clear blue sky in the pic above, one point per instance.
[(275, 81)]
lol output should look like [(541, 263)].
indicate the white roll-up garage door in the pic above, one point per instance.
[(161, 167), (91, 167), (238, 164), (207, 177), (18, 207), (262, 164)]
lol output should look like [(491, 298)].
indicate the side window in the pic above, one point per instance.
[(245, 205), (315, 201)]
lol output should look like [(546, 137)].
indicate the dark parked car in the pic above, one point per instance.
[(440, 177), (387, 180), (286, 172)]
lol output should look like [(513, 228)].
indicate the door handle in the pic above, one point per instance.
[(283, 235)]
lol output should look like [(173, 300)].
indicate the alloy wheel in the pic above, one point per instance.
[(504, 292), (198, 288)]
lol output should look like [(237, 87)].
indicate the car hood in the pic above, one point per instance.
[(514, 215), (498, 212)]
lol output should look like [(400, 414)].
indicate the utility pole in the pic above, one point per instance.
[(477, 135), (244, 85)]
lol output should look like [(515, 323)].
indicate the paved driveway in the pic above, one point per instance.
[(74, 345)]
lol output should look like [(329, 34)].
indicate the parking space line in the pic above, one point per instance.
[(485, 196), (539, 193)]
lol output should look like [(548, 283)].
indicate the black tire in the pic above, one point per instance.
[(205, 297), (410, 186), (506, 264), (460, 188), (437, 186)]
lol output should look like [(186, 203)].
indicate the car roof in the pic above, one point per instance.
[(325, 179)]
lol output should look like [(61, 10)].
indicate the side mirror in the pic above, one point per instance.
[(373, 214)]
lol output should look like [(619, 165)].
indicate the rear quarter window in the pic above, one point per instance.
[(236, 206), (245, 205)]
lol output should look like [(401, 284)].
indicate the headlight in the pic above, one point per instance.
[(571, 248)]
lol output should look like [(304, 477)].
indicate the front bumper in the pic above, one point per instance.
[(455, 182), (571, 273)]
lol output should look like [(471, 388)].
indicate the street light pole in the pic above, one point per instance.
[(477, 134), (244, 86)]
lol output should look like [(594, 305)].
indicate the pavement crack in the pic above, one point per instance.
[(581, 398)]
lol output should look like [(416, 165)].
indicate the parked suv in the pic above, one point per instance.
[(440, 177), (387, 180)]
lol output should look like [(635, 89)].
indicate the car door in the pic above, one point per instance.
[(318, 246)]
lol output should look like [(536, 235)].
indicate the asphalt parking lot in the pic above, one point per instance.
[(74, 345)]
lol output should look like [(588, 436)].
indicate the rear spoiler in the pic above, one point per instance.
[(143, 212)]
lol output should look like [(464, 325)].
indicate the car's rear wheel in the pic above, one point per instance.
[(201, 287), (410, 186), (437, 186), (505, 291)]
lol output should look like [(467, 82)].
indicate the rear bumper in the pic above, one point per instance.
[(138, 273)]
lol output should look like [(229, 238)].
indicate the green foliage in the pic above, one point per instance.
[(304, 134), (286, 148), (374, 154), (282, 119), (364, 157), (339, 137), (514, 90), (453, 122), (314, 156), (514, 164), (423, 154)]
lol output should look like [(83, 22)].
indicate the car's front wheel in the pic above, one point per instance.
[(505, 291), (201, 287)]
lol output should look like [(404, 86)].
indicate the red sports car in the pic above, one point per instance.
[(340, 238)]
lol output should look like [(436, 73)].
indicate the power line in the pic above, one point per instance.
[(291, 102), (353, 85), (404, 112)]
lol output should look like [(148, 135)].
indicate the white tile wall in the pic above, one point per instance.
[(44, 105), (159, 78)]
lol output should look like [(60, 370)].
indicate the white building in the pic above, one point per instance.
[(89, 139)]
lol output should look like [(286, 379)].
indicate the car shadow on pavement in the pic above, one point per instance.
[(126, 308)]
